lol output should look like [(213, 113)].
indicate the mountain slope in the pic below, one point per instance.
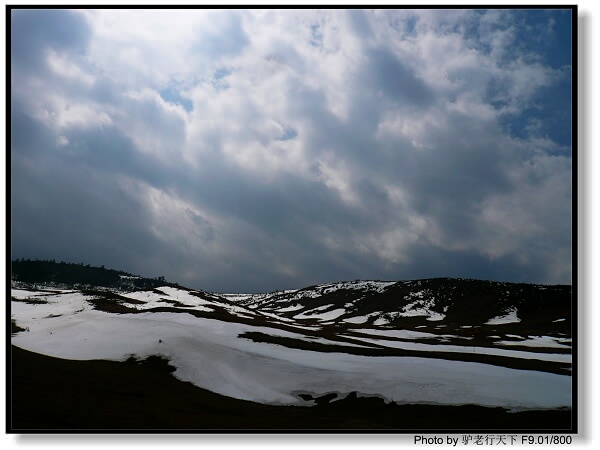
[(452, 302)]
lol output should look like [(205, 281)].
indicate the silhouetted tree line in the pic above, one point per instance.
[(49, 271)]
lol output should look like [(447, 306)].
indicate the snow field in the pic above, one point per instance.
[(210, 354)]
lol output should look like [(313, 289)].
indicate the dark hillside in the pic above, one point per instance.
[(49, 271), (461, 302)]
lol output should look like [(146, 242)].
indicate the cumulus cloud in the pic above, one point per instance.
[(252, 150)]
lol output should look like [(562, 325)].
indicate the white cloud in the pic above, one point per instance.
[(158, 128), (62, 141), (178, 222), (62, 66)]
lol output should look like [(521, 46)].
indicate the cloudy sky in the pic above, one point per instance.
[(259, 150)]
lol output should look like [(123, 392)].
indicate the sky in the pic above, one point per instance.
[(253, 151)]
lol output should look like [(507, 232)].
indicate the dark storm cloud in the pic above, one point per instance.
[(34, 31), (466, 155), (28, 136), (302, 164), (105, 151), (70, 208), (75, 214), (469, 264)]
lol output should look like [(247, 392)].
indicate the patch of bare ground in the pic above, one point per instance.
[(51, 394), (14, 328), (30, 301)]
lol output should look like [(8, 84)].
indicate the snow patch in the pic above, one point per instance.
[(357, 319), (509, 317), (328, 315), (539, 341), (421, 307), (290, 308), (554, 357)]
